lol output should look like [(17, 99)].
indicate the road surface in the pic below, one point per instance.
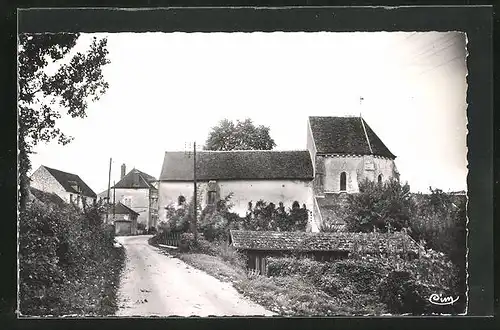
[(154, 284)]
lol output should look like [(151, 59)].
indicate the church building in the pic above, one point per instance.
[(341, 152)]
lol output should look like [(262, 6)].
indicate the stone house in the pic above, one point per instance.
[(123, 218), (251, 175), (69, 187), (137, 191), (345, 151)]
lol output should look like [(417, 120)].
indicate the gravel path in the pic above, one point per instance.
[(156, 284)]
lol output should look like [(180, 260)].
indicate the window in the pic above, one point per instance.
[(211, 197), (343, 181), (211, 192), (380, 178), (71, 198)]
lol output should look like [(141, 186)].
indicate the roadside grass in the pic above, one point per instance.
[(284, 295), (214, 266)]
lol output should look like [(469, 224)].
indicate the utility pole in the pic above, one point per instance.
[(195, 213), (114, 196), (109, 185)]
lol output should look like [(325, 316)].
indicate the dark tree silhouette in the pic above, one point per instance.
[(44, 96)]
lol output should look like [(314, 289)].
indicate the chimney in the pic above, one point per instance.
[(123, 171)]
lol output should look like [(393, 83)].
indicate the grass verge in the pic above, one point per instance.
[(283, 295)]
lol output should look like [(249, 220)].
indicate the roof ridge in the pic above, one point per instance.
[(366, 134), (246, 150)]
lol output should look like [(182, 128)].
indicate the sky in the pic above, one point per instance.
[(167, 90)]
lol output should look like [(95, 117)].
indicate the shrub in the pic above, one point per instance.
[(62, 252), (187, 242), (409, 284), (230, 254), (379, 207)]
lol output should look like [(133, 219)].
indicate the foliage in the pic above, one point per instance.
[(216, 220), (340, 278), (179, 218), (408, 287), (67, 261), (404, 286), (439, 220), (266, 216), (187, 242), (228, 253), (43, 97), (379, 206), (242, 135)]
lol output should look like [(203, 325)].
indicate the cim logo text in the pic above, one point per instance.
[(437, 299)]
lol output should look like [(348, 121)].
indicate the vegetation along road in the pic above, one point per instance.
[(154, 283)]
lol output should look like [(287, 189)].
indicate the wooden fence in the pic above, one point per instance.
[(173, 239)]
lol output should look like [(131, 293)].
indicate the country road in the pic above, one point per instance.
[(156, 284)]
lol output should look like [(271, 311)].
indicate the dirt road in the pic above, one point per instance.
[(156, 284)]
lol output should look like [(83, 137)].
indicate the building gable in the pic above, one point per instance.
[(136, 179), (346, 136), (60, 181)]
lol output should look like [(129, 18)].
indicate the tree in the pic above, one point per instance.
[(379, 206), (43, 96), (242, 135)]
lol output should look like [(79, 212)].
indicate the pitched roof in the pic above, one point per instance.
[(67, 180), (237, 165), (46, 197), (136, 179), (306, 241), (346, 135), (121, 209)]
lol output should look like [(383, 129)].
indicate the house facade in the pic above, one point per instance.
[(345, 151), (249, 176), (69, 187), (137, 191), (123, 218)]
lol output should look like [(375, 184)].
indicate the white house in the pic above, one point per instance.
[(252, 175), (137, 191)]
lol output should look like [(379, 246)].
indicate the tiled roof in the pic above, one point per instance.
[(238, 165), (67, 180), (136, 179), (45, 197), (121, 209), (345, 135), (306, 241)]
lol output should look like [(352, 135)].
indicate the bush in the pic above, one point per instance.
[(342, 277), (187, 242), (379, 207), (408, 285), (64, 253), (230, 254)]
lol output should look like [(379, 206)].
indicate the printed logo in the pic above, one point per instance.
[(437, 299)]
